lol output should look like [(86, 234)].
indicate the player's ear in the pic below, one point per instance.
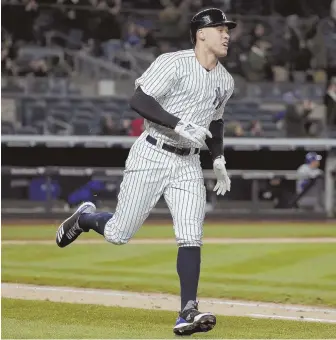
[(201, 34)]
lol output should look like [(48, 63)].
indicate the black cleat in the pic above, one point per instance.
[(192, 321), (69, 230)]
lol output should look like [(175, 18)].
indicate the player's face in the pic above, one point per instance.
[(315, 164), (217, 40)]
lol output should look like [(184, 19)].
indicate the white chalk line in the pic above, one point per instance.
[(294, 318)]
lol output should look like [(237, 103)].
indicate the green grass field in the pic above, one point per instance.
[(234, 230), (296, 273), (42, 320), (292, 273)]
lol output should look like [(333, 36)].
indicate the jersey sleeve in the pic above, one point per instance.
[(220, 112), (160, 76), (305, 171)]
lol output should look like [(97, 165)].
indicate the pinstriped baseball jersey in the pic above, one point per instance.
[(187, 90)]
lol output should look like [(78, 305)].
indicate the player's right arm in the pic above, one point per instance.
[(154, 84), (305, 172)]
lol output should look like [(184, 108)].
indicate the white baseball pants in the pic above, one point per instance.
[(150, 173)]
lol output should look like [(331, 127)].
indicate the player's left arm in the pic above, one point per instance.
[(216, 143), (216, 148)]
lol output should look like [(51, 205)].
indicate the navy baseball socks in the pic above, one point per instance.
[(82, 220), (95, 221), (190, 320), (188, 269)]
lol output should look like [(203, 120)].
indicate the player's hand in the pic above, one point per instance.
[(223, 181), (192, 132)]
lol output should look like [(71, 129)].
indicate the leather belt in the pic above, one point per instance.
[(173, 149)]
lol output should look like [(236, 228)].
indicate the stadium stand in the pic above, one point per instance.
[(55, 62)]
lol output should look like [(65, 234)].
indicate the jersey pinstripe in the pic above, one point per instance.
[(185, 89), (150, 173)]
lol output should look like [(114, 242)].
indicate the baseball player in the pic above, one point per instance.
[(309, 185), (182, 97), (308, 170)]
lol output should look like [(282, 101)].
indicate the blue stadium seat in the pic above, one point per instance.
[(34, 113), (60, 115), (81, 127), (83, 115)]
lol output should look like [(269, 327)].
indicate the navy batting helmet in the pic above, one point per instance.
[(210, 17), (312, 156)]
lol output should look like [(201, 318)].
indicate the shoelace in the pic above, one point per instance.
[(191, 306)]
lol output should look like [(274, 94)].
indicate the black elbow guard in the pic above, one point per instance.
[(216, 144)]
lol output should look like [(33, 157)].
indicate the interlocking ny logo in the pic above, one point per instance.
[(219, 98)]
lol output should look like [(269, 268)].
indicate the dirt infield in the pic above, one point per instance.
[(205, 241), (167, 302)]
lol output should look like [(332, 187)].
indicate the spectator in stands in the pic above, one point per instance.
[(109, 29), (90, 47), (132, 37), (300, 55), (234, 129), (276, 191), (30, 5), (59, 68), (100, 29), (297, 118), (257, 66), (233, 61), (189, 6), (146, 35), (327, 30), (255, 129), (8, 54), (224, 5), (258, 33), (170, 17), (111, 128), (37, 67), (108, 126), (19, 19), (125, 127), (330, 102), (8, 66), (165, 46), (278, 119), (136, 127), (195, 6)]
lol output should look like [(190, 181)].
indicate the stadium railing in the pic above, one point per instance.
[(101, 185), (73, 178)]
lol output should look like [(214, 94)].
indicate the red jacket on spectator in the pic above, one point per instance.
[(137, 127)]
